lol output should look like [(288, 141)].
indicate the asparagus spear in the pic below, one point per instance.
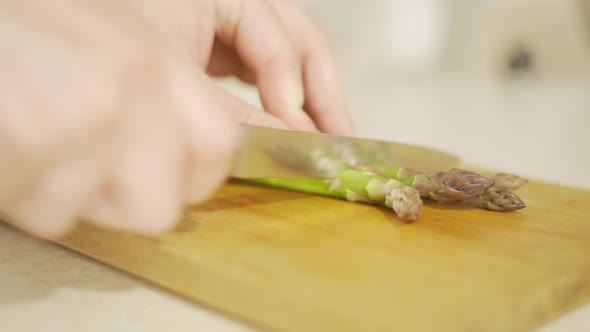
[(493, 193), (446, 185), (358, 186), (377, 186), (399, 188)]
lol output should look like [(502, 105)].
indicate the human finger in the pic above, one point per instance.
[(260, 40), (324, 93)]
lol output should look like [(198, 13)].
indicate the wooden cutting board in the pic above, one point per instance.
[(289, 261)]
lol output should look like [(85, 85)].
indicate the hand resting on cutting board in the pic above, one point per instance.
[(108, 112)]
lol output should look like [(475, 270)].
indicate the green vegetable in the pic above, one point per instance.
[(400, 189), (358, 186)]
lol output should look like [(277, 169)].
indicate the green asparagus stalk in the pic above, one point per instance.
[(358, 186)]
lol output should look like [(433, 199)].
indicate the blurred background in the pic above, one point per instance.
[(503, 84)]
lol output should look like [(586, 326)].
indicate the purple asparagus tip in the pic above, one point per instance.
[(507, 181), (496, 199), (459, 184)]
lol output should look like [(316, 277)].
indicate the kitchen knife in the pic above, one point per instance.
[(268, 152)]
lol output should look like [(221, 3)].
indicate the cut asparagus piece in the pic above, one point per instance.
[(404, 200)]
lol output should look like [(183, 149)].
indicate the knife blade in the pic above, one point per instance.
[(268, 152)]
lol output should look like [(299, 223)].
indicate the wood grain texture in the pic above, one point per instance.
[(295, 262)]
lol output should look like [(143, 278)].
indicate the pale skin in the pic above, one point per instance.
[(109, 114)]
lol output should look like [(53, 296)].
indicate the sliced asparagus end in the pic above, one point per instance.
[(404, 200)]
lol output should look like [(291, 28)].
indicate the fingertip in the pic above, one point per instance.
[(49, 229), (321, 78), (302, 121), (105, 212), (324, 98), (133, 210), (155, 224), (282, 94), (40, 224), (340, 125), (263, 44)]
